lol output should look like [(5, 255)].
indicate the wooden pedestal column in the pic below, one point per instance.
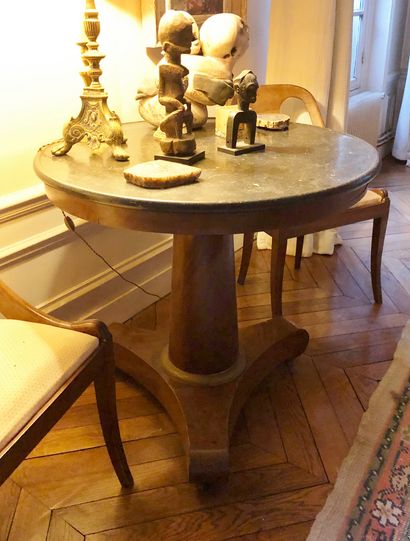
[(205, 373), (204, 327)]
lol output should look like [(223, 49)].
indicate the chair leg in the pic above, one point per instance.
[(279, 243), (246, 257), (299, 250), (378, 235), (104, 385)]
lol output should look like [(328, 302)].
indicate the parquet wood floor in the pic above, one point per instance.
[(290, 440)]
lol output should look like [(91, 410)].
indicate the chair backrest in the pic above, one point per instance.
[(271, 97), (14, 307)]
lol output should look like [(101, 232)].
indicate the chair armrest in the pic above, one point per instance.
[(381, 192), (12, 306)]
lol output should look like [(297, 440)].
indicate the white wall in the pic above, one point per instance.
[(301, 46), (256, 57)]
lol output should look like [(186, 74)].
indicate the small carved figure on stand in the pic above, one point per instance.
[(96, 122), (246, 88), (175, 132)]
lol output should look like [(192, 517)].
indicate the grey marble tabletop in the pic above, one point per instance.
[(303, 162)]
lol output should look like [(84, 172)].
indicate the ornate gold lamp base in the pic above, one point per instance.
[(96, 122), (98, 125)]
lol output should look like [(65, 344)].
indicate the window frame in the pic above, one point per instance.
[(358, 83)]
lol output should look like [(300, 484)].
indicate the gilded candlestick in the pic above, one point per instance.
[(96, 122)]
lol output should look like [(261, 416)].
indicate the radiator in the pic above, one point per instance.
[(365, 114)]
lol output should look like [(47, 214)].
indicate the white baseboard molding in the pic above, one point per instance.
[(385, 149), (17, 204), (40, 259), (30, 225), (39, 243), (108, 297)]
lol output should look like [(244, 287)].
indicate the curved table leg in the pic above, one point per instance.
[(206, 373)]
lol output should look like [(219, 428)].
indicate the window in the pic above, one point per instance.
[(360, 17)]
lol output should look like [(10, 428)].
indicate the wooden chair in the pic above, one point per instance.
[(373, 205), (45, 365)]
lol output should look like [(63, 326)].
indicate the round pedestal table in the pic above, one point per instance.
[(206, 368)]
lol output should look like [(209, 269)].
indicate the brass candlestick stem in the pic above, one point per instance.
[(96, 121)]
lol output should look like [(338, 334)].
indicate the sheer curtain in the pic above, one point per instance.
[(310, 46), (401, 146)]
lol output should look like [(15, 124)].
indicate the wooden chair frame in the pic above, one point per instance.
[(98, 368), (270, 99)]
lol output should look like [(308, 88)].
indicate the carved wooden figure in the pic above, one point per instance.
[(246, 87), (175, 131)]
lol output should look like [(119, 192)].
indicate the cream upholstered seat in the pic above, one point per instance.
[(35, 359), (45, 365), (370, 198), (374, 205)]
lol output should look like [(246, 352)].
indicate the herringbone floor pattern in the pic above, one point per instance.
[(292, 436)]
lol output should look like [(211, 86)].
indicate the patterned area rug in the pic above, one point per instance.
[(371, 497)]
